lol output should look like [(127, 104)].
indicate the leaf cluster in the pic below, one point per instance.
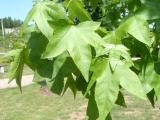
[(98, 47)]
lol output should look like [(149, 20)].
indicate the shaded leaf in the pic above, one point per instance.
[(92, 109), (120, 100), (151, 79), (70, 84), (151, 97)]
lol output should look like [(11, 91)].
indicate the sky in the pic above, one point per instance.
[(17, 9)]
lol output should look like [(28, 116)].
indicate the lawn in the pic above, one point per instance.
[(32, 105)]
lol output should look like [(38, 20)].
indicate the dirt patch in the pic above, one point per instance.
[(132, 112), (45, 91), (77, 116), (26, 80)]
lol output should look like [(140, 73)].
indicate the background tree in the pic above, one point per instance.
[(11, 23)]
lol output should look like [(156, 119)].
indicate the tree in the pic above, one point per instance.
[(8, 22), (98, 47)]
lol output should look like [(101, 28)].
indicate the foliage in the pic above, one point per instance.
[(96, 47)]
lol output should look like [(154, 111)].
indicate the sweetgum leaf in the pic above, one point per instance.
[(120, 100), (151, 79), (70, 83), (16, 67), (76, 42), (136, 27), (92, 109), (76, 10), (42, 13), (106, 90), (130, 81)]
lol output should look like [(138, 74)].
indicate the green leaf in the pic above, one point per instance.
[(151, 79), (138, 28), (9, 56), (151, 97), (42, 13), (16, 67), (108, 117), (81, 84), (113, 37), (43, 70), (36, 46), (153, 3), (98, 66), (66, 70), (130, 81), (76, 10), (94, 3), (117, 54), (42, 23), (76, 42), (106, 90), (58, 85), (58, 63), (148, 13), (70, 84), (27, 20), (120, 100), (92, 109)]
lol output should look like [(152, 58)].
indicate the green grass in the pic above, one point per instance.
[(31, 105), (136, 110)]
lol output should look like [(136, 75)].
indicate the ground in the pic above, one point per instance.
[(32, 105)]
